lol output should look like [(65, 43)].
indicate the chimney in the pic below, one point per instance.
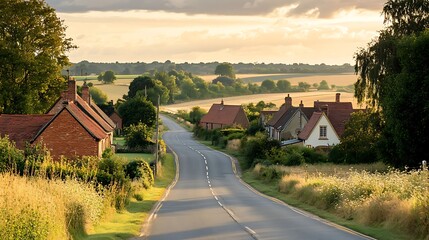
[(337, 97), (301, 105), (71, 90), (325, 109), (288, 102), (85, 94)]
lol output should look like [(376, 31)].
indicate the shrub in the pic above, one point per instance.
[(138, 136), (140, 170), (10, 156)]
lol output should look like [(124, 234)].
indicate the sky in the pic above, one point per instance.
[(248, 31)]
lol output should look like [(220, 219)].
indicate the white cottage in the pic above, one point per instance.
[(319, 131)]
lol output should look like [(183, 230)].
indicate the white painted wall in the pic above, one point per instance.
[(331, 136)]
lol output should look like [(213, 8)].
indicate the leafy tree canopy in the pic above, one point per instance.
[(392, 77), (140, 83), (98, 96), (284, 85), (136, 110), (33, 45), (107, 77), (323, 85), (225, 70), (268, 84)]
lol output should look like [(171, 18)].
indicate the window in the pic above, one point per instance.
[(323, 132)]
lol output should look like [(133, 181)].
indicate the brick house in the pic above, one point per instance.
[(73, 126), (221, 116)]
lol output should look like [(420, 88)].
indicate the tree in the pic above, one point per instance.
[(303, 86), (188, 89), (138, 135), (226, 81), (323, 85), (32, 54), (140, 83), (360, 141), (284, 85), (169, 81), (107, 77), (136, 110), (405, 105), (196, 114), (392, 77), (98, 96), (269, 84), (225, 70), (375, 64)]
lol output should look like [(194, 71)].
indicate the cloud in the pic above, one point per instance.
[(322, 8)]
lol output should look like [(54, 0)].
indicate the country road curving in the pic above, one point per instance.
[(210, 202)]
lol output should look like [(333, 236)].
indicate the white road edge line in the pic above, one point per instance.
[(146, 224)]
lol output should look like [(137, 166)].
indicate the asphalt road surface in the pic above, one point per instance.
[(210, 202)]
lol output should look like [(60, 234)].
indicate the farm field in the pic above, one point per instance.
[(307, 98), (120, 87), (295, 78)]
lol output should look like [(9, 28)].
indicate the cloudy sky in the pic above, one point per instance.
[(270, 31)]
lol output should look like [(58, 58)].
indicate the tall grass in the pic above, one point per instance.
[(393, 200), (37, 208)]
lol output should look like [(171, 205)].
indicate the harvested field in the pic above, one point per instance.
[(295, 78), (307, 98)]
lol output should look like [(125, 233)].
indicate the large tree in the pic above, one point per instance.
[(136, 110), (107, 77), (225, 70), (392, 77), (33, 45)]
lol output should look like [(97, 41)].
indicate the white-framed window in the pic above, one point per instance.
[(323, 130)]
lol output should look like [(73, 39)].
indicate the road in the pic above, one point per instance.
[(210, 202)]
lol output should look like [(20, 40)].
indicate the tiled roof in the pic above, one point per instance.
[(94, 115), (338, 114), (86, 122), (305, 133), (283, 115), (89, 124), (221, 114), (102, 114), (22, 128)]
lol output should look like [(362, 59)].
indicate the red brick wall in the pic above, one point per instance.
[(65, 136), (117, 120)]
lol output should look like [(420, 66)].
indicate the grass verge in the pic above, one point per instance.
[(271, 189), (126, 224)]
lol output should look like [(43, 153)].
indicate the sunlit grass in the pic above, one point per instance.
[(386, 205), (128, 223)]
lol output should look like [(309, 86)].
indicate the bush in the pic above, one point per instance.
[(140, 170), (11, 157), (138, 136)]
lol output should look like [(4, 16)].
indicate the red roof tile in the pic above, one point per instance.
[(22, 128), (222, 114), (338, 114), (94, 115)]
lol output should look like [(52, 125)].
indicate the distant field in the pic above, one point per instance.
[(295, 78), (120, 87), (307, 98)]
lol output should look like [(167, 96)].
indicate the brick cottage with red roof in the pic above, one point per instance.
[(221, 116), (73, 127)]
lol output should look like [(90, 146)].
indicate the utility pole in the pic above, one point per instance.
[(157, 138)]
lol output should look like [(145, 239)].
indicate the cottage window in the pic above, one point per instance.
[(323, 130)]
